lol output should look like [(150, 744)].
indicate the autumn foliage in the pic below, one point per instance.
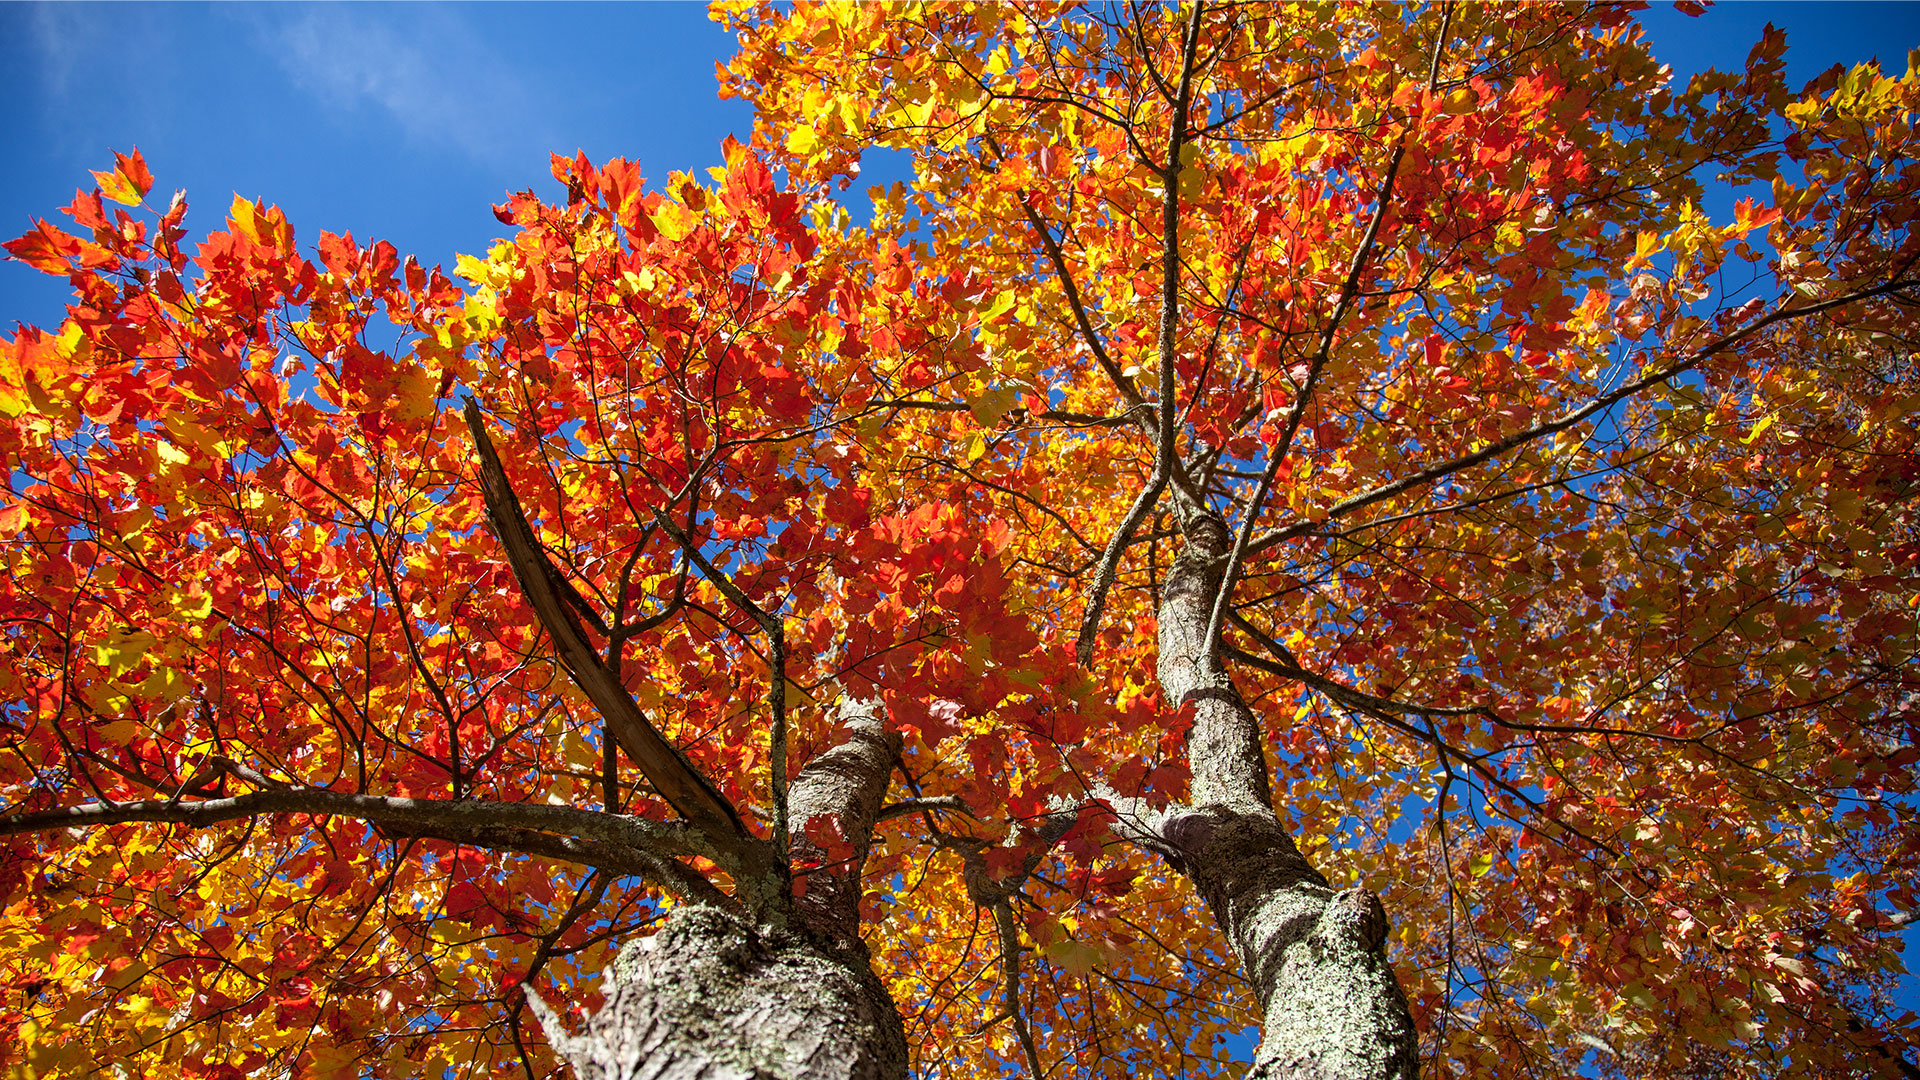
[(1564, 417)]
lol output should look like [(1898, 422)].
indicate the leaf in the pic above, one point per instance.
[(128, 182), (991, 406), (122, 649), (675, 222), (134, 168), (46, 249)]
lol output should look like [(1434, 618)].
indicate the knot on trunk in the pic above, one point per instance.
[(1188, 833), (1359, 916), (1230, 852), (1207, 533), (1195, 573), (712, 936)]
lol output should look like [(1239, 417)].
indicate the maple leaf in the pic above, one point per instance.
[(129, 181), (46, 248)]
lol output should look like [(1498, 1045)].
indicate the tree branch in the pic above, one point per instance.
[(1786, 311), (915, 806), (1010, 947), (1283, 445), (776, 672), (690, 794), (1290, 667), (616, 842), (842, 788), (1165, 460)]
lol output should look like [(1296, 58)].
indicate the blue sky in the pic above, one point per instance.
[(406, 122)]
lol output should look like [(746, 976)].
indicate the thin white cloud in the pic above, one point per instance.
[(422, 66), (64, 36)]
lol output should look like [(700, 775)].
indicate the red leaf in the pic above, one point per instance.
[(134, 167), (46, 248)]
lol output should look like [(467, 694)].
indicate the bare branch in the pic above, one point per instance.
[(1290, 667), (915, 806), (1010, 948)]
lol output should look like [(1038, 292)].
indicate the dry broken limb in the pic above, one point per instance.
[(1294, 517)]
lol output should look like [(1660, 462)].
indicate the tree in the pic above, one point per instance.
[(1269, 462)]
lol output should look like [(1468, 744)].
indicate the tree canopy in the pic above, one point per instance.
[(381, 644)]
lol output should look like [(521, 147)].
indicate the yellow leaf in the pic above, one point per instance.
[(991, 406), (72, 342), (114, 185), (675, 222), (165, 684), (802, 140), (191, 606), (1645, 246), (242, 214), (472, 269), (1072, 957), (122, 649), (186, 432), (118, 732), (479, 314)]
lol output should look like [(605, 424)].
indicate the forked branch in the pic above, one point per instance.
[(1787, 310), (770, 623), (1349, 291)]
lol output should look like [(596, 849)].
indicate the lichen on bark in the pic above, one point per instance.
[(711, 997)]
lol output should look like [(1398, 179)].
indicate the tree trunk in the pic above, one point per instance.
[(719, 995), (711, 998), (1331, 1007)]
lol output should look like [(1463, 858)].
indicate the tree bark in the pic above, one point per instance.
[(1331, 1007), (790, 994), (710, 997)]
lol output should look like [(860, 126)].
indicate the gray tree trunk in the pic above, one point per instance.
[(711, 998), (1331, 1007), (715, 995)]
